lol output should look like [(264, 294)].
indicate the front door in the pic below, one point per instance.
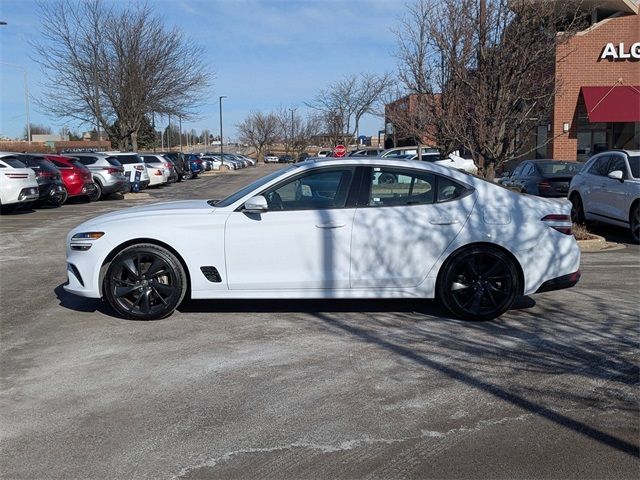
[(302, 242)]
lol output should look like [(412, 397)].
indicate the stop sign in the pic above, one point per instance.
[(340, 151)]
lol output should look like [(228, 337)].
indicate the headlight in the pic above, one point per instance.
[(87, 236)]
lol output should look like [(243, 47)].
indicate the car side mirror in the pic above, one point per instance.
[(257, 204), (616, 175)]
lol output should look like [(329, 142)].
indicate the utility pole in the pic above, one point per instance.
[(221, 139), (291, 140), (180, 127), (169, 134), (153, 127)]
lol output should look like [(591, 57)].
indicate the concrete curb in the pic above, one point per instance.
[(597, 244)]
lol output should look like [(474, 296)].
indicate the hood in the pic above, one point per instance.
[(183, 207)]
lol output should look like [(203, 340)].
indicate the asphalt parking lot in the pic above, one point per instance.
[(310, 389)]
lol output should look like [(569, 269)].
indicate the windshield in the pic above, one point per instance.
[(634, 164), (234, 197)]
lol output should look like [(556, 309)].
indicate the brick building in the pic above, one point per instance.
[(598, 106)]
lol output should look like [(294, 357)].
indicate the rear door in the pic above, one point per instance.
[(402, 227)]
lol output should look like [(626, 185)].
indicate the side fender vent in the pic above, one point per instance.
[(212, 274)]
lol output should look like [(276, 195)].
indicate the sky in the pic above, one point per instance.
[(263, 54)]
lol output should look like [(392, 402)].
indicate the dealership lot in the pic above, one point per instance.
[(310, 389)]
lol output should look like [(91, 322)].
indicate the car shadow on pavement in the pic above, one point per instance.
[(81, 304), (421, 306)]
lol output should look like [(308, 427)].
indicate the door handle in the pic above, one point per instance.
[(443, 221), (330, 225)]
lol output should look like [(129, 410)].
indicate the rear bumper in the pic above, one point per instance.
[(558, 283), (117, 187)]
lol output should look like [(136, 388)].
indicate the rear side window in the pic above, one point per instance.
[(87, 160), (150, 159), (129, 159), (113, 161), (13, 162), (59, 164), (391, 187)]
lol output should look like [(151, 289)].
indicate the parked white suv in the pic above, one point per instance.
[(17, 182), (607, 189)]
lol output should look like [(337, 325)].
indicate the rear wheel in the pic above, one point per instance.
[(634, 223), (577, 210), (478, 283), (145, 282)]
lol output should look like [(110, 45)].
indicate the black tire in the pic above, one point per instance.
[(634, 223), (97, 194), (577, 210), (478, 283), (58, 199), (145, 282)]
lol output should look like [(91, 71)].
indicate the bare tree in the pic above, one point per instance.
[(483, 70), (36, 129), (259, 130), (343, 104), (111, 67)]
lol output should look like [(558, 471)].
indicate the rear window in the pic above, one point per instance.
[(634, 164), (555, 168), (13, 162)]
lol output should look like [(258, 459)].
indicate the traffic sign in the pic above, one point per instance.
[(340, 151)]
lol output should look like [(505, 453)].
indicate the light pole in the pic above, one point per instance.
[(180, 127), (221, 139)]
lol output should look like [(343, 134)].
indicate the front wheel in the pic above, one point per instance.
[(479, 283), (96, 194), (634, 223), (145, 282)]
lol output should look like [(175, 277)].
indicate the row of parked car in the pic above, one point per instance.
[(51, 179)]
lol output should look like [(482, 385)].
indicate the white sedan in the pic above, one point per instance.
[(331, 229), (18, 183)]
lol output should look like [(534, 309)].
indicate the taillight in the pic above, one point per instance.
[(17, 176), (111, 170), (544, 186), (559, 222), (139, 167)]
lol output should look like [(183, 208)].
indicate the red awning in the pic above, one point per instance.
[(620, 103)]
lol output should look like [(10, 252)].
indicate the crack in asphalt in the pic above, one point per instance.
[(450, 437)]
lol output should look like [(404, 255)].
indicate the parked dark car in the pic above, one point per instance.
[(76, 177), (303, 156), (50, 185), (177, 159), (195, 165), (545, 178), (285, 159), (366, 152)]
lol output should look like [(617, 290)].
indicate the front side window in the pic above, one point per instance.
[(617, 163), (315, 190), (599, 166)]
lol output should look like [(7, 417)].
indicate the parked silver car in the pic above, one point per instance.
[(107, 173), (607, 189)]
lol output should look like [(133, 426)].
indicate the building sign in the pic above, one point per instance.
[(616, 52)]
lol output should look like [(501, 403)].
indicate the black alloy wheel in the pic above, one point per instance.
[(634, 223), (478, 283), (57, 199), (577, 210), (145, 282), (96, 194)]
